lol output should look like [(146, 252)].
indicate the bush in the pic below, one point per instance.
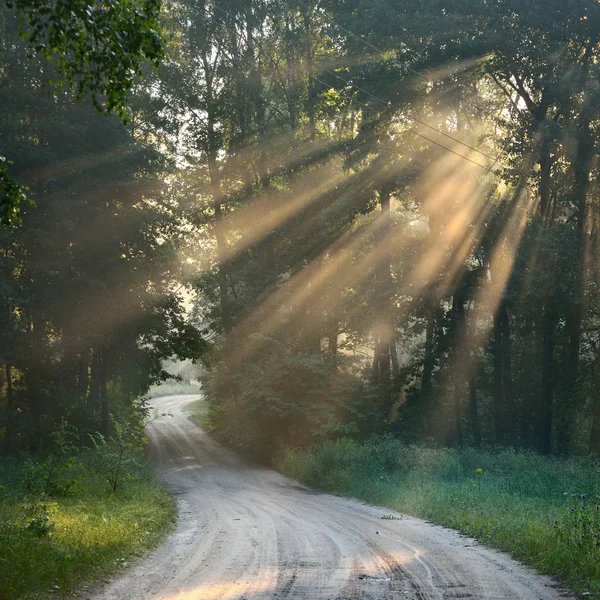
[(289, 397), (59, 474), (56, 545)]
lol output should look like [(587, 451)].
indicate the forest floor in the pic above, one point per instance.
[(57, 545), (249, 532)]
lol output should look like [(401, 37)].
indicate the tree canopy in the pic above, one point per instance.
[(385, 214)]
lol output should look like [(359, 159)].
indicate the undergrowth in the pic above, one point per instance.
[(53, 543), (543, 511), (199, 413), (173, 388)]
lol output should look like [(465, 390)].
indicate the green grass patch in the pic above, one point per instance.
[(545, 512), (174, 388), (199, 412), (51, 545)]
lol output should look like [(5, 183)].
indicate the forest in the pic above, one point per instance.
[(372, 226)]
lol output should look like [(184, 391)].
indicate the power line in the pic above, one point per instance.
[(389, 104), (386, 103), (381, 52), (495, 159)]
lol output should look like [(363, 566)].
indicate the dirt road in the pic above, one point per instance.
[(246, 532)]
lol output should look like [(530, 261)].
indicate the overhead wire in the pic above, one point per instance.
[(381, 52), (389, 104)]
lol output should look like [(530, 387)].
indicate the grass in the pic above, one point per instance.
[(173, 388), (199, 412), (545, 512), (56, 545)]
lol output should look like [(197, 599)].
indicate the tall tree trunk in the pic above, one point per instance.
[(595, 432), (549, 319), (290, 60), (475, 427), (83, 375), (104, 409), (10, 409), (333, 337), (310, 71), (376, 359), (581, 183), (509, 400), (241, 109), (386, 327), (458, 429), (471, 382), (462, 354), (429, 359), (547, 380), (95, 374), (217, 194), (498, 395)]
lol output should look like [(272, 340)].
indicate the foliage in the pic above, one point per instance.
[(173, 388), (53, 547), (198, 411), (285, 397), (118, 453), (543, 511), (58, 475), (97, 50), (418, 197), (38, 517), (12, 195), (88, 307)]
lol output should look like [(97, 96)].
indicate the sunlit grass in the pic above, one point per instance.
[(93, 534), (543, 511), (174, 388), (199, 412)]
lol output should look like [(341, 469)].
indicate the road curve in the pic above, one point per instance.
[(245, 532)]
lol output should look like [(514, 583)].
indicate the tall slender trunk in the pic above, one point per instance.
[(471, 382), (95, 374), (549, 319), (386, 327), (217, 194), (290, 60), (595, 432), (547, 381), (458, 429), (475, 427), (333, 337), (241, 109), (498, 396), (509, 400), (581, 183), (376, 360), (310, 71), (429, 359), (10, 409), (461, 353), (104, 409), (83, 375)]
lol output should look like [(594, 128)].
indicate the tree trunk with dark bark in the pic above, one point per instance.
[(10, 409)]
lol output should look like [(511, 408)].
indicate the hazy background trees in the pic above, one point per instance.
[(384, 220)]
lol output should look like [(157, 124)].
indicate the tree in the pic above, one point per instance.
[(93, 49)]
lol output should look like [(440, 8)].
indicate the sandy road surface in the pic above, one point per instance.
[(246, 533)]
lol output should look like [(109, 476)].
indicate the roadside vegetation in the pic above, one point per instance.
[(543, 511), (173, 388), (359, 231), (63, 527), (199, 413)]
